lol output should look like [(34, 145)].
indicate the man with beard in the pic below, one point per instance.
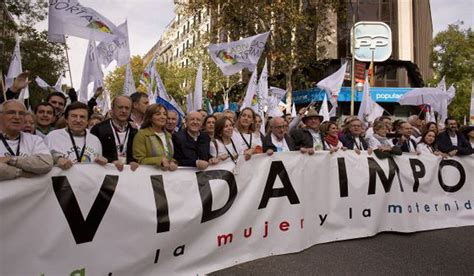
[(451, 141)]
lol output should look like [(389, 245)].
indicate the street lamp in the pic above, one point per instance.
[(359, 87)]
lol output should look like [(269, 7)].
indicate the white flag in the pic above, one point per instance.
[(369, 110), (324, 111), (274, 98), (41, 83), (15, 65), (118, 49), (198, 89), (164, 95), (250, 94), (129, 84), (333, 83), (90, 73), (442, 84), (104, 103), (293, 111), (452, 93), (149, 74), (225, 98), (15, 69), (59, 84), (262, 92), (189, 103), (69, 17), (235, 56)]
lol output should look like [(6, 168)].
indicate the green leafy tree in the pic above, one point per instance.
[(114, 81), (298, 38), (453, 57), (39, 56)]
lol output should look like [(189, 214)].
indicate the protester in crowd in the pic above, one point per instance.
[(172, 121), (353, 138), (218, 115), (191, 145), (116, 134), (95, 119), (29, 124), (416, 124), (230, 114), (244, 133), (469, 134), (383, 146), (19, 83), (139, 105), (58, 101), (258, 126), (428, 144), (430, 126), (451, 141), (21, 154), (288, 118), (223, 147), (75, 144), (44, 119), (203, 112), (388, 125), (152, 144), (331, 140), (404, 139), (277, 140), (310, 135), (208, 125)]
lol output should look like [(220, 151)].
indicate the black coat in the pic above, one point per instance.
[(268, 144), (404, 146), (445, 145), (349, 142), (104, 132), (302, 138), (187, 151)]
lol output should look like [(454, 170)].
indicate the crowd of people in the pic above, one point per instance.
[(135, 133)]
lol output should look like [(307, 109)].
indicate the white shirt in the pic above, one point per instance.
[(223, 149), (243, 144), (60, 144), (454, 140), (281, 145), (29, 145), (317, 142), (424, 148)]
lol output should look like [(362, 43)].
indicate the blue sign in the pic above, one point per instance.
[(378, 94)]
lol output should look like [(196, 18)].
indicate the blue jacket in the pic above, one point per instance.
[(187, 151)]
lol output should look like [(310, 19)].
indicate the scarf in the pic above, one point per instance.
[(383, 140), (332, 140)]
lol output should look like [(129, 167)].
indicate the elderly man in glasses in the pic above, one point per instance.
[(21, 154)]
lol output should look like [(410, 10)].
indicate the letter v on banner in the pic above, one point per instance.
[(84, 230)]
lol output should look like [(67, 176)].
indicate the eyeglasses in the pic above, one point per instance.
[(14, 112), (279, 127)]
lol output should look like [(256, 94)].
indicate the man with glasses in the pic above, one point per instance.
[(278, 141), (21, 154), (353, 139)]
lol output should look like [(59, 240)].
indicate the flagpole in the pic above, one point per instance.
[(352, 64), (68, 62)]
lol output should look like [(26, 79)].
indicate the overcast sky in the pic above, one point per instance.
[(148, 18)]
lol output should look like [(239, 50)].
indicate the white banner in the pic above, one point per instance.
[(69, 17), (118, 50), (237, 55), (99, 221)]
